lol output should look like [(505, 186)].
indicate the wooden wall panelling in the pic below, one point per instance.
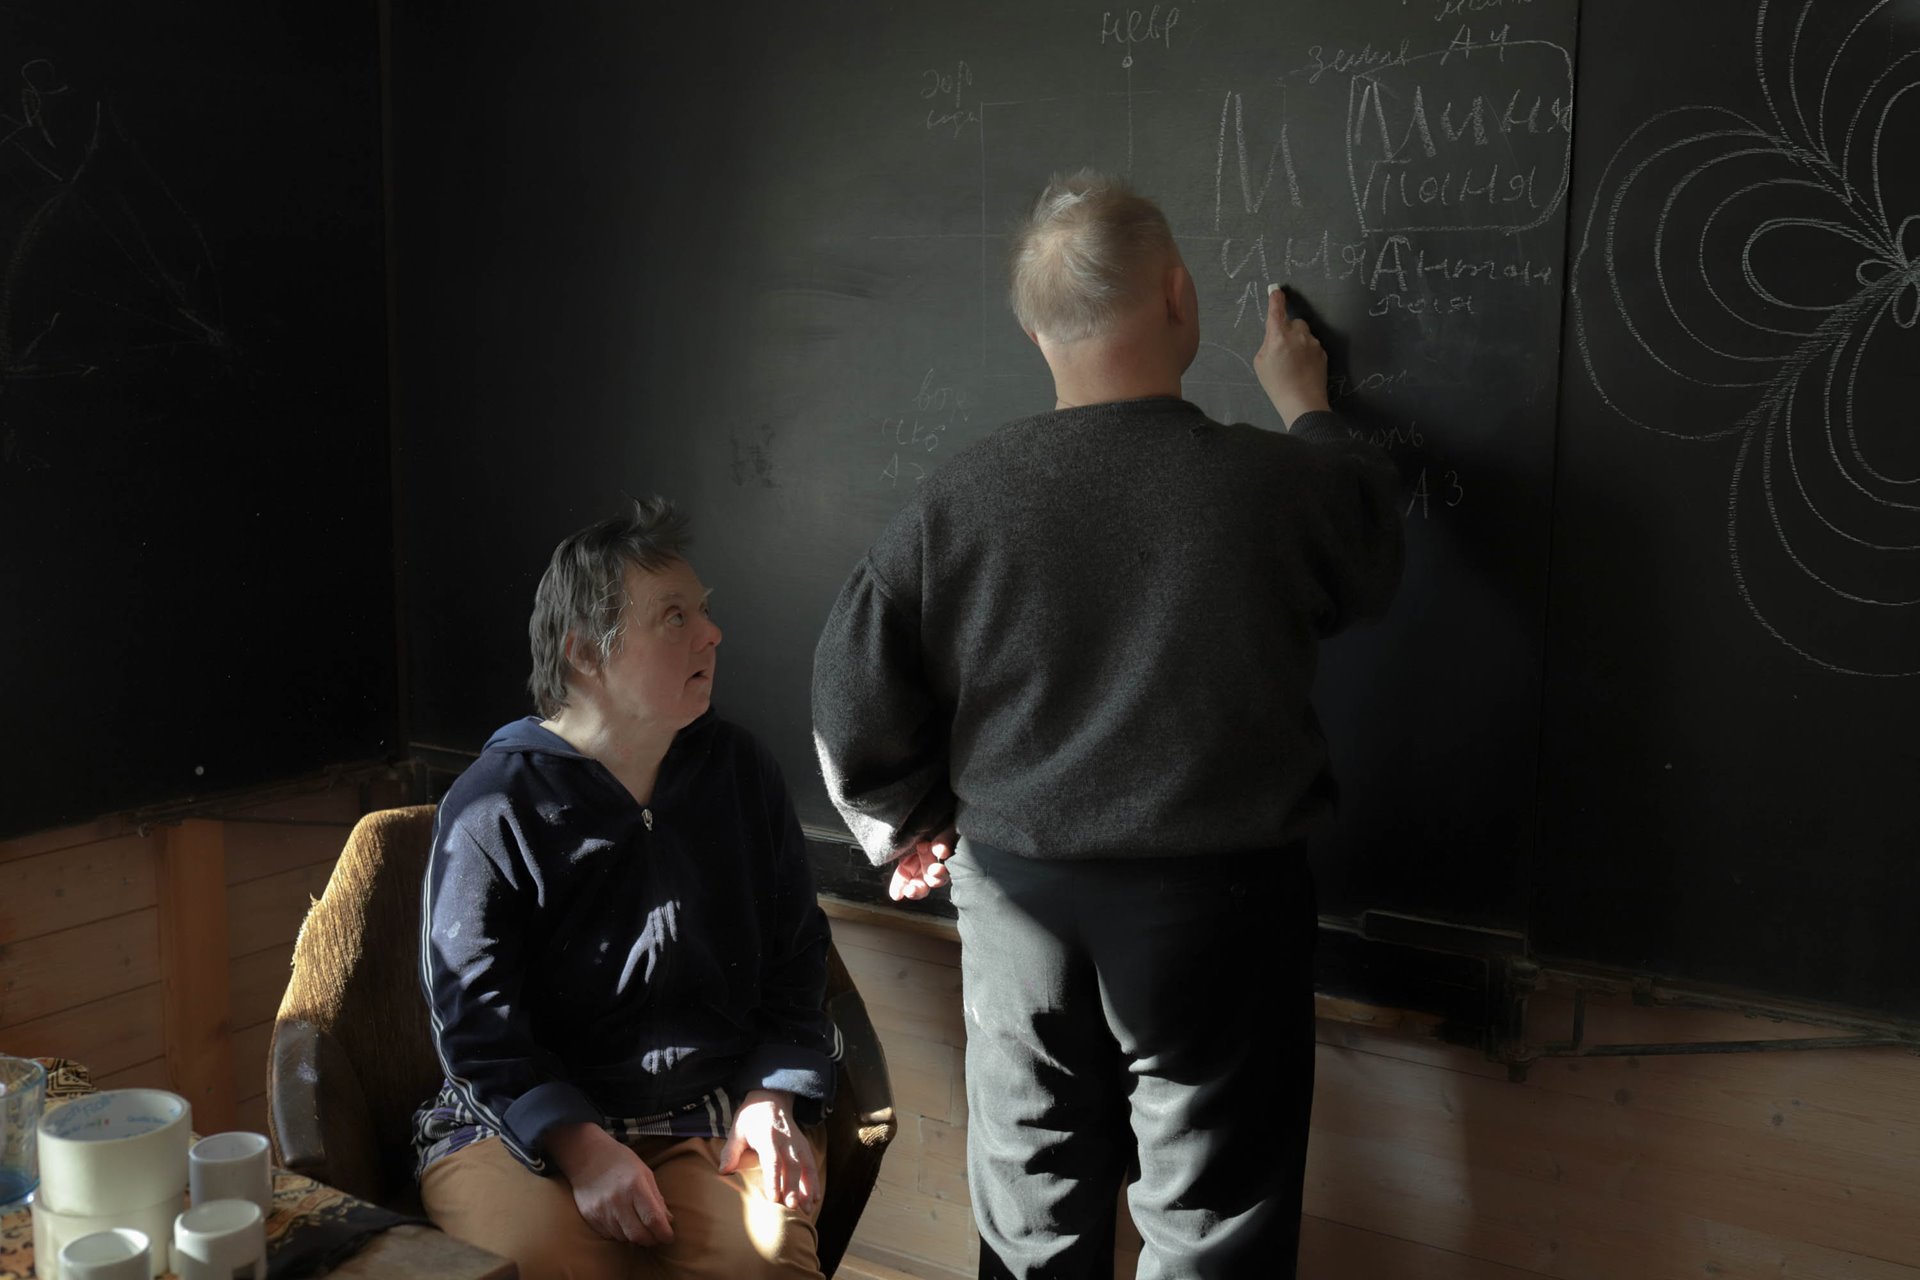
[(258, 981), (78, 946), (196, 1018), (86, 833), (58, 971), (89, 969), (250, 1061), (280, 856), (57, 890), (267, 912), (145, 1075), (108, 1035), (256, 850), (337, 804)]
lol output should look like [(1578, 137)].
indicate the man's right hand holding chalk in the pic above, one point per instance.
[(1291, 364)]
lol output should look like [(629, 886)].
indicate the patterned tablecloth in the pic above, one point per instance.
[(312, 1229)]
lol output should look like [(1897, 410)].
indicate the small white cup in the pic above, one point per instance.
[(120, 1254), (232, 1166), (53, 1232), (220, 1240)]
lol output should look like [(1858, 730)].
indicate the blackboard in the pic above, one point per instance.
[(195, 518), (1732, 776), (754, 262)]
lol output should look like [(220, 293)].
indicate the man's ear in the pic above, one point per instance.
[(1032, 337), (1176, 286)]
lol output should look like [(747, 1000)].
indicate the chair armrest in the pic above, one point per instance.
[(863, 1088), (860, 1122), (317, 1111)]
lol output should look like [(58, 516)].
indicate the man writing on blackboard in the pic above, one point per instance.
[(1085, 647)]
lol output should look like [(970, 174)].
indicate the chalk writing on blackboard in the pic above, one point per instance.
[(909, 437), (105, 267), (1445, 9), (1129, 27), (1432, 144), (1765, 272), (1252, 195), (950, 90), (1354, 166)]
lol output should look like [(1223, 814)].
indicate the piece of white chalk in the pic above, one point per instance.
[(1272, 289)]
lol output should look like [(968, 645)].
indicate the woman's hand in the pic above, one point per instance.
[(787, 1172), (612, 1187)]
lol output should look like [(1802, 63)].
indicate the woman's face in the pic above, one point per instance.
[(662, 671)]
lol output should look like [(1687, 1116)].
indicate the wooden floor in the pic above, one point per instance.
[(1738, 1165), (853, 1267), (1426, 1163)]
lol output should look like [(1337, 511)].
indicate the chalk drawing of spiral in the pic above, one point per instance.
[(1756, 276)]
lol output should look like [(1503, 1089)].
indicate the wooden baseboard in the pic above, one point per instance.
[(838, 908)]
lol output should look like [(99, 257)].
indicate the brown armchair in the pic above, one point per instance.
[(352, 1053)]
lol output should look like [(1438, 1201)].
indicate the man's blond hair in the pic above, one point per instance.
[(1079, 257)]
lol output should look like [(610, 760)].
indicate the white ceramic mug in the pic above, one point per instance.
[(232, 1166), (53, 1232), (120, 1254), (221, 1240)]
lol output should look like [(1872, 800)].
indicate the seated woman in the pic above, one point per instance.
[(623, 953)]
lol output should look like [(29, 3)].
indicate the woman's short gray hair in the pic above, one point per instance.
[(1077, 257), (584, 590)]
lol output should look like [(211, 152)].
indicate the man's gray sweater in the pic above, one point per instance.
[(1094, 633)]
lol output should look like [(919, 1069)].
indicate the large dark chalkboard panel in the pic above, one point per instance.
[(565, 313), (1646, 700), (757, 265), (195, 522), (1731, 776)]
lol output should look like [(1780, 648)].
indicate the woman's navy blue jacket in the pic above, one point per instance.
[(590, 958)]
